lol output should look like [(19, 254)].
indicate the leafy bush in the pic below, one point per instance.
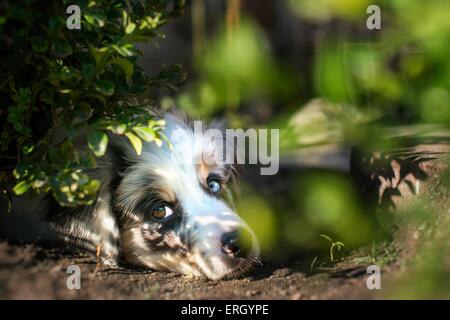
[(74, 81)]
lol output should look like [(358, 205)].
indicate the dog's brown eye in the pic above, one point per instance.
[(162, 212)]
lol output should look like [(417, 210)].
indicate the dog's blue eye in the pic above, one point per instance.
[(162, 212), (214, 186)]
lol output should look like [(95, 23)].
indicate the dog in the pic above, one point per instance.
[(168, 209)]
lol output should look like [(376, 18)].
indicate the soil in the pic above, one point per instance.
[(32, 272)]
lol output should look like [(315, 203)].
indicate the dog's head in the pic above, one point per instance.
[(177, 210)]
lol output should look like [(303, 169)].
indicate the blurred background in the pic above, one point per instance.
[(363, 117)]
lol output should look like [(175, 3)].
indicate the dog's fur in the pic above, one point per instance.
[(118, 227)]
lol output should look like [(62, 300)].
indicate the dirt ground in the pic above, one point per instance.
[(32, 272)]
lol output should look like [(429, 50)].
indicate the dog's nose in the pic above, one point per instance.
[(236, 243)]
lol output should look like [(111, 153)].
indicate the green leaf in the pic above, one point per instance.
[(88, 71), (326, 237), (96, 96), (130, 28), (117, 128), (126, 50), (39, 44), (66, 149), (68, 74), (145, 133), (90, 19), (82, 112), (91, 187), (339, 244), (105, 87), (21, 188), (61, 48), (95, 19), (124, 18), (135, 141), (97, 142), (126, 66), (99, 54), (158, 142)]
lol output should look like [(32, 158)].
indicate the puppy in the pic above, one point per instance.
[(168, 209)]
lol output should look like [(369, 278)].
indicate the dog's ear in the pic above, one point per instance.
[(219, 124), (235, 168), (179, 117), (120, 154)]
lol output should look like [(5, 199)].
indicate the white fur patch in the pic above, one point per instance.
[(209, 217)]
